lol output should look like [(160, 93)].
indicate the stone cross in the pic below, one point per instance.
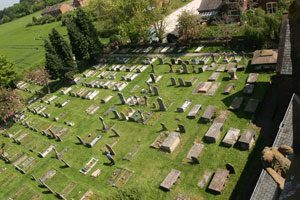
[(163, 126), (160, 60), (161, 104), (181, 128), (152, 78), (122, 98), (117, 116), (155, 90), (153, 71), (104, 128), (181, 82)]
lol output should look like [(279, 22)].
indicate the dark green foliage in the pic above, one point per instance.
[(59, 57), (261, 29), (7, 72), (126, 194), (46, 19)]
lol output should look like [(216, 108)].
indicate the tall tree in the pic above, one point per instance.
[(188, 26), (7, 72), (53, 62), (64, 52), (10, 103)]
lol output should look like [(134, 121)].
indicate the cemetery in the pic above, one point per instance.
[(171, 123)]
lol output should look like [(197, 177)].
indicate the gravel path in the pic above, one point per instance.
[(171, 19)]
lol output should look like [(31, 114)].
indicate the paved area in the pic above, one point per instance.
[(171, 20)]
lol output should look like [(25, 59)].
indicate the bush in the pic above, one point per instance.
[(126, 194)]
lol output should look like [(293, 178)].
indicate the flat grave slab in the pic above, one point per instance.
[(214, 76), (204, 180), (212, 67), (212, 90), (221, 68), (202, 87), (219, 181), (214, 133), (252, 78), (184, 106), (231, 137), (247, 140), (209, 113), (89, 165), (221, 118), (193, 113), (228, 88), (236, 103), (230, 66), (171, 179), (171, 142), (252, 105), (195, 151), (249, 89)]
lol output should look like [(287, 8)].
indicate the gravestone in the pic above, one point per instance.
[(153, 80), (231, 137), (204, 179), (115, 132), (247, 140), (219, 180), (249, 89), (173, 81), (171, 179), (152, 66), (123, 116), (104, 127), (236, 103), (209, 113), (160, 60), (171, 68), (181, 82), (163, 126), (146, 101), (194, 152), (161, 104), (122, 98), (252, 77), (214, 76), (230, 168), (142, 116), (173, 62), (194, 69), (181, 128), (171, 142), (110, 149), (179, 61), (214, 133), (228, 88), (192, 114), (155, 90), (154, 105), (185, 105), (252, 105), (117, 116), (185, 69), (232, 74), (149, 87), (80, 140)]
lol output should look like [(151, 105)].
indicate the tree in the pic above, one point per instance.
[(188, 26), (64, 53), (7, 72), (53, 62), (40, 76), (10, 103)]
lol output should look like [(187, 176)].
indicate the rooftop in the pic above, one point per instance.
[(262, 57)]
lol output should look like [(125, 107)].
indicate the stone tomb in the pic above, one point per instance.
[(231, 137), (219, 181), (247, 140), (185, 106), (230, 66), (171, 142), (214, 76), (252, 78), (252, 105), (212, 67), (228, 88), (221, 68), (171, 179), (212, 90), (249, 89), (195, 152), (202, 87), (159, 140), (214, 133), (236, 103), (192, 114), (209, 113)]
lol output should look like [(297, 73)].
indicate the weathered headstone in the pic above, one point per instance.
[(192, 114), (185, 69), (155, 90), (173, 62), (115, 132), (163, 126), (104, 127), (80, 140), (173, 81), (171, 68), (142, 116), (161, 104), (123, 116), (153, 80), (231, 137), (181, 128), (117, 116), (153, 70), (171, 142), (122, 98), (219, 180), (110, 149), (232, 74), (194, 69), (181, 82), (146, 100)]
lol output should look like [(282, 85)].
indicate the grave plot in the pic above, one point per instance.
[(231, 137), (228, 88), (219, 181), (252, 105), (155, 116), (28, 140), (120, 177), (212, 67), (184, 106), (194, 154), (221, 68), (214, 76), (212, 90), (236, 103), (171, 179), (247, 140), (41, 146), (92, 109), (202, 87), (252, 78), (6, 177), (209, 113), (171, 142), (90, 140), (11, 154), (249, 89), (194, 111), (140, 116), (58, 132), (89, 166), (204, 179), (25, 163), (61, 115), (159, 140), (134, 150), (214, 133)]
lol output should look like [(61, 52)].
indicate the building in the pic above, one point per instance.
[(227, 10), (56, 9), (264, 59), (270, 6)]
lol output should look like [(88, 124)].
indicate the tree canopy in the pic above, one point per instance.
[(7, 72)]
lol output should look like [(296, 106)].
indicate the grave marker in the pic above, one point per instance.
[(171, 142), (161, 104), (192, 114), (171, 179)]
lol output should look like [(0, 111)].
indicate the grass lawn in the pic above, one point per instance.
[(25, 45), (149, 165)]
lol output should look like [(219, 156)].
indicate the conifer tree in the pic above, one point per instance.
[(53, 62)]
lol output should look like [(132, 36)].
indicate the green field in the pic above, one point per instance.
[(24, 45), (150, 166)]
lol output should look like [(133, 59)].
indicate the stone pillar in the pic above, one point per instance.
[(122, 98), (104, 128), (155, 90), (161, 104)]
